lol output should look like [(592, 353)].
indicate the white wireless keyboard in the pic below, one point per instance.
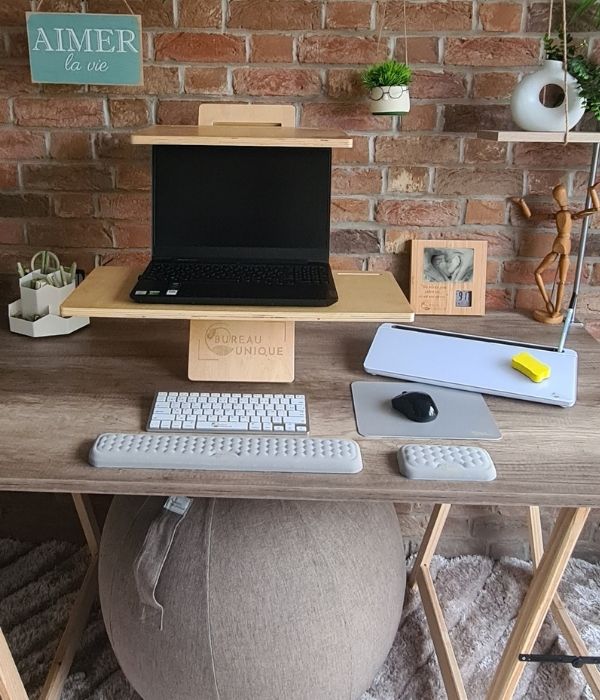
[(198, 412), (251, 453)]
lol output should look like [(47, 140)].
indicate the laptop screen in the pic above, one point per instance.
[(230, 202)]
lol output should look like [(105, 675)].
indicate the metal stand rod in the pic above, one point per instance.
[(585, 225)]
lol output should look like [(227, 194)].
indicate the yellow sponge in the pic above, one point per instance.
[(531, 367)]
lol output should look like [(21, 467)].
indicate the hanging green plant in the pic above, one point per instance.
[(387, 83)]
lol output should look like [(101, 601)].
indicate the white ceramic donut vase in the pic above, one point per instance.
[(530, 114)]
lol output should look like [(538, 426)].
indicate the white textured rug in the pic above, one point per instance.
[(479, 597)]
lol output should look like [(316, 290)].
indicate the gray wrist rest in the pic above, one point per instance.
[(446, 463), (226, 452)]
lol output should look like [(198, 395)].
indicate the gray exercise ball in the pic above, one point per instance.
[(263, 600)]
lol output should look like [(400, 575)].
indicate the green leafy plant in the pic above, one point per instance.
[(592, 6), (386, 73), (579, 66)]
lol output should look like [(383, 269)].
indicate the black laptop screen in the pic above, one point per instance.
[(233, 202)]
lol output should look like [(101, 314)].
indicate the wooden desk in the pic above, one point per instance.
[(60, 393)]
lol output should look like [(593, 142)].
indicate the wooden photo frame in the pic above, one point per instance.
[(448, 277)]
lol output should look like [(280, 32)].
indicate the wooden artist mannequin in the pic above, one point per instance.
[(560, 251)]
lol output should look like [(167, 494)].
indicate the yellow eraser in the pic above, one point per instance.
[(531, 367)]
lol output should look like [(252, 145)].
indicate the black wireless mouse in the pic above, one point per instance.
[(416, 406)]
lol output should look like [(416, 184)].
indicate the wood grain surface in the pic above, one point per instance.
[(59, 393), (363, 296)]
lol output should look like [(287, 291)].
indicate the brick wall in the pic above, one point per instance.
[(70, 181)]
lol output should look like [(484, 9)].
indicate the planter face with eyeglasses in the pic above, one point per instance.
[(389, 99)]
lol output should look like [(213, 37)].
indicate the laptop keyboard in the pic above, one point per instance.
[(237, 273)]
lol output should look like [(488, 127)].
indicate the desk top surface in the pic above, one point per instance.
[(60, 393)]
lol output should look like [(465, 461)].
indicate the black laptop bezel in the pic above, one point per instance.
[(241, 254)]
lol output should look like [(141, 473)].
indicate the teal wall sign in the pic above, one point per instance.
[(88, 49)]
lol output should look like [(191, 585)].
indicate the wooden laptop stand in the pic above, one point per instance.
[(243, 343)]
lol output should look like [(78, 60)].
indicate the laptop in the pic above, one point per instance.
[(239, 225)]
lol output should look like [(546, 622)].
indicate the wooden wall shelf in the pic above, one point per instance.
[(540, 136), (363, 296), (241, 135)]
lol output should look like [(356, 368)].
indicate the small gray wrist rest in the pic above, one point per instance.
[(226, 452), (446, 463)]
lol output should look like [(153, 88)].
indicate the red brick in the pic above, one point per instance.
[(19, 205), (349, 209), (345, 262), (209, 81), (522, 272), (130, 113), (70, 145), (359, 153), (588, 306), (118, 145), (73, 177), (420, 118), (205, 48), (355, 241), (418, 212), (59, 112), (18, 46), (271, 48), (323, 48), (199, 15), (348, 15), (421, 49), (500, 16), (68, 233), (351, 117), (492, 271), (19, 144), (133, 176), (470, 118), (13, 13), (132, 235), (276, 81), (356, 181), (158, 80), (497, 86), (417, 150), (73, 206), (595, 280), (11, 232), (177, 112), (432, 17), (430, 85), (537, 18), (478, 181), (155, 13), (345, 83), (274, 14), (483, 211), (398, 265), (551, 155), (543, 181), (535, 244), (4, 111), (530, 298), (398, 240), (9, 177), (408, 179), (129, 206), (480, 151), (498, 299), (491, 51), (16, 79)]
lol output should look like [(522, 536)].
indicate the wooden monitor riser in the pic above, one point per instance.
[(242, 343)]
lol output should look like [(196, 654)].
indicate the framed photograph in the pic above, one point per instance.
[(448, 277)]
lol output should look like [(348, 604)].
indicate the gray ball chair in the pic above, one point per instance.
[(262, 599)]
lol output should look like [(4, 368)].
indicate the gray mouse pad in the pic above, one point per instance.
[(462, 415)]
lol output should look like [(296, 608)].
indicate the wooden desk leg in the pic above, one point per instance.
[(241, 351), (421, 577), (540, 593), (71, 637), (11, 685), (559, 611), (430, 540)]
